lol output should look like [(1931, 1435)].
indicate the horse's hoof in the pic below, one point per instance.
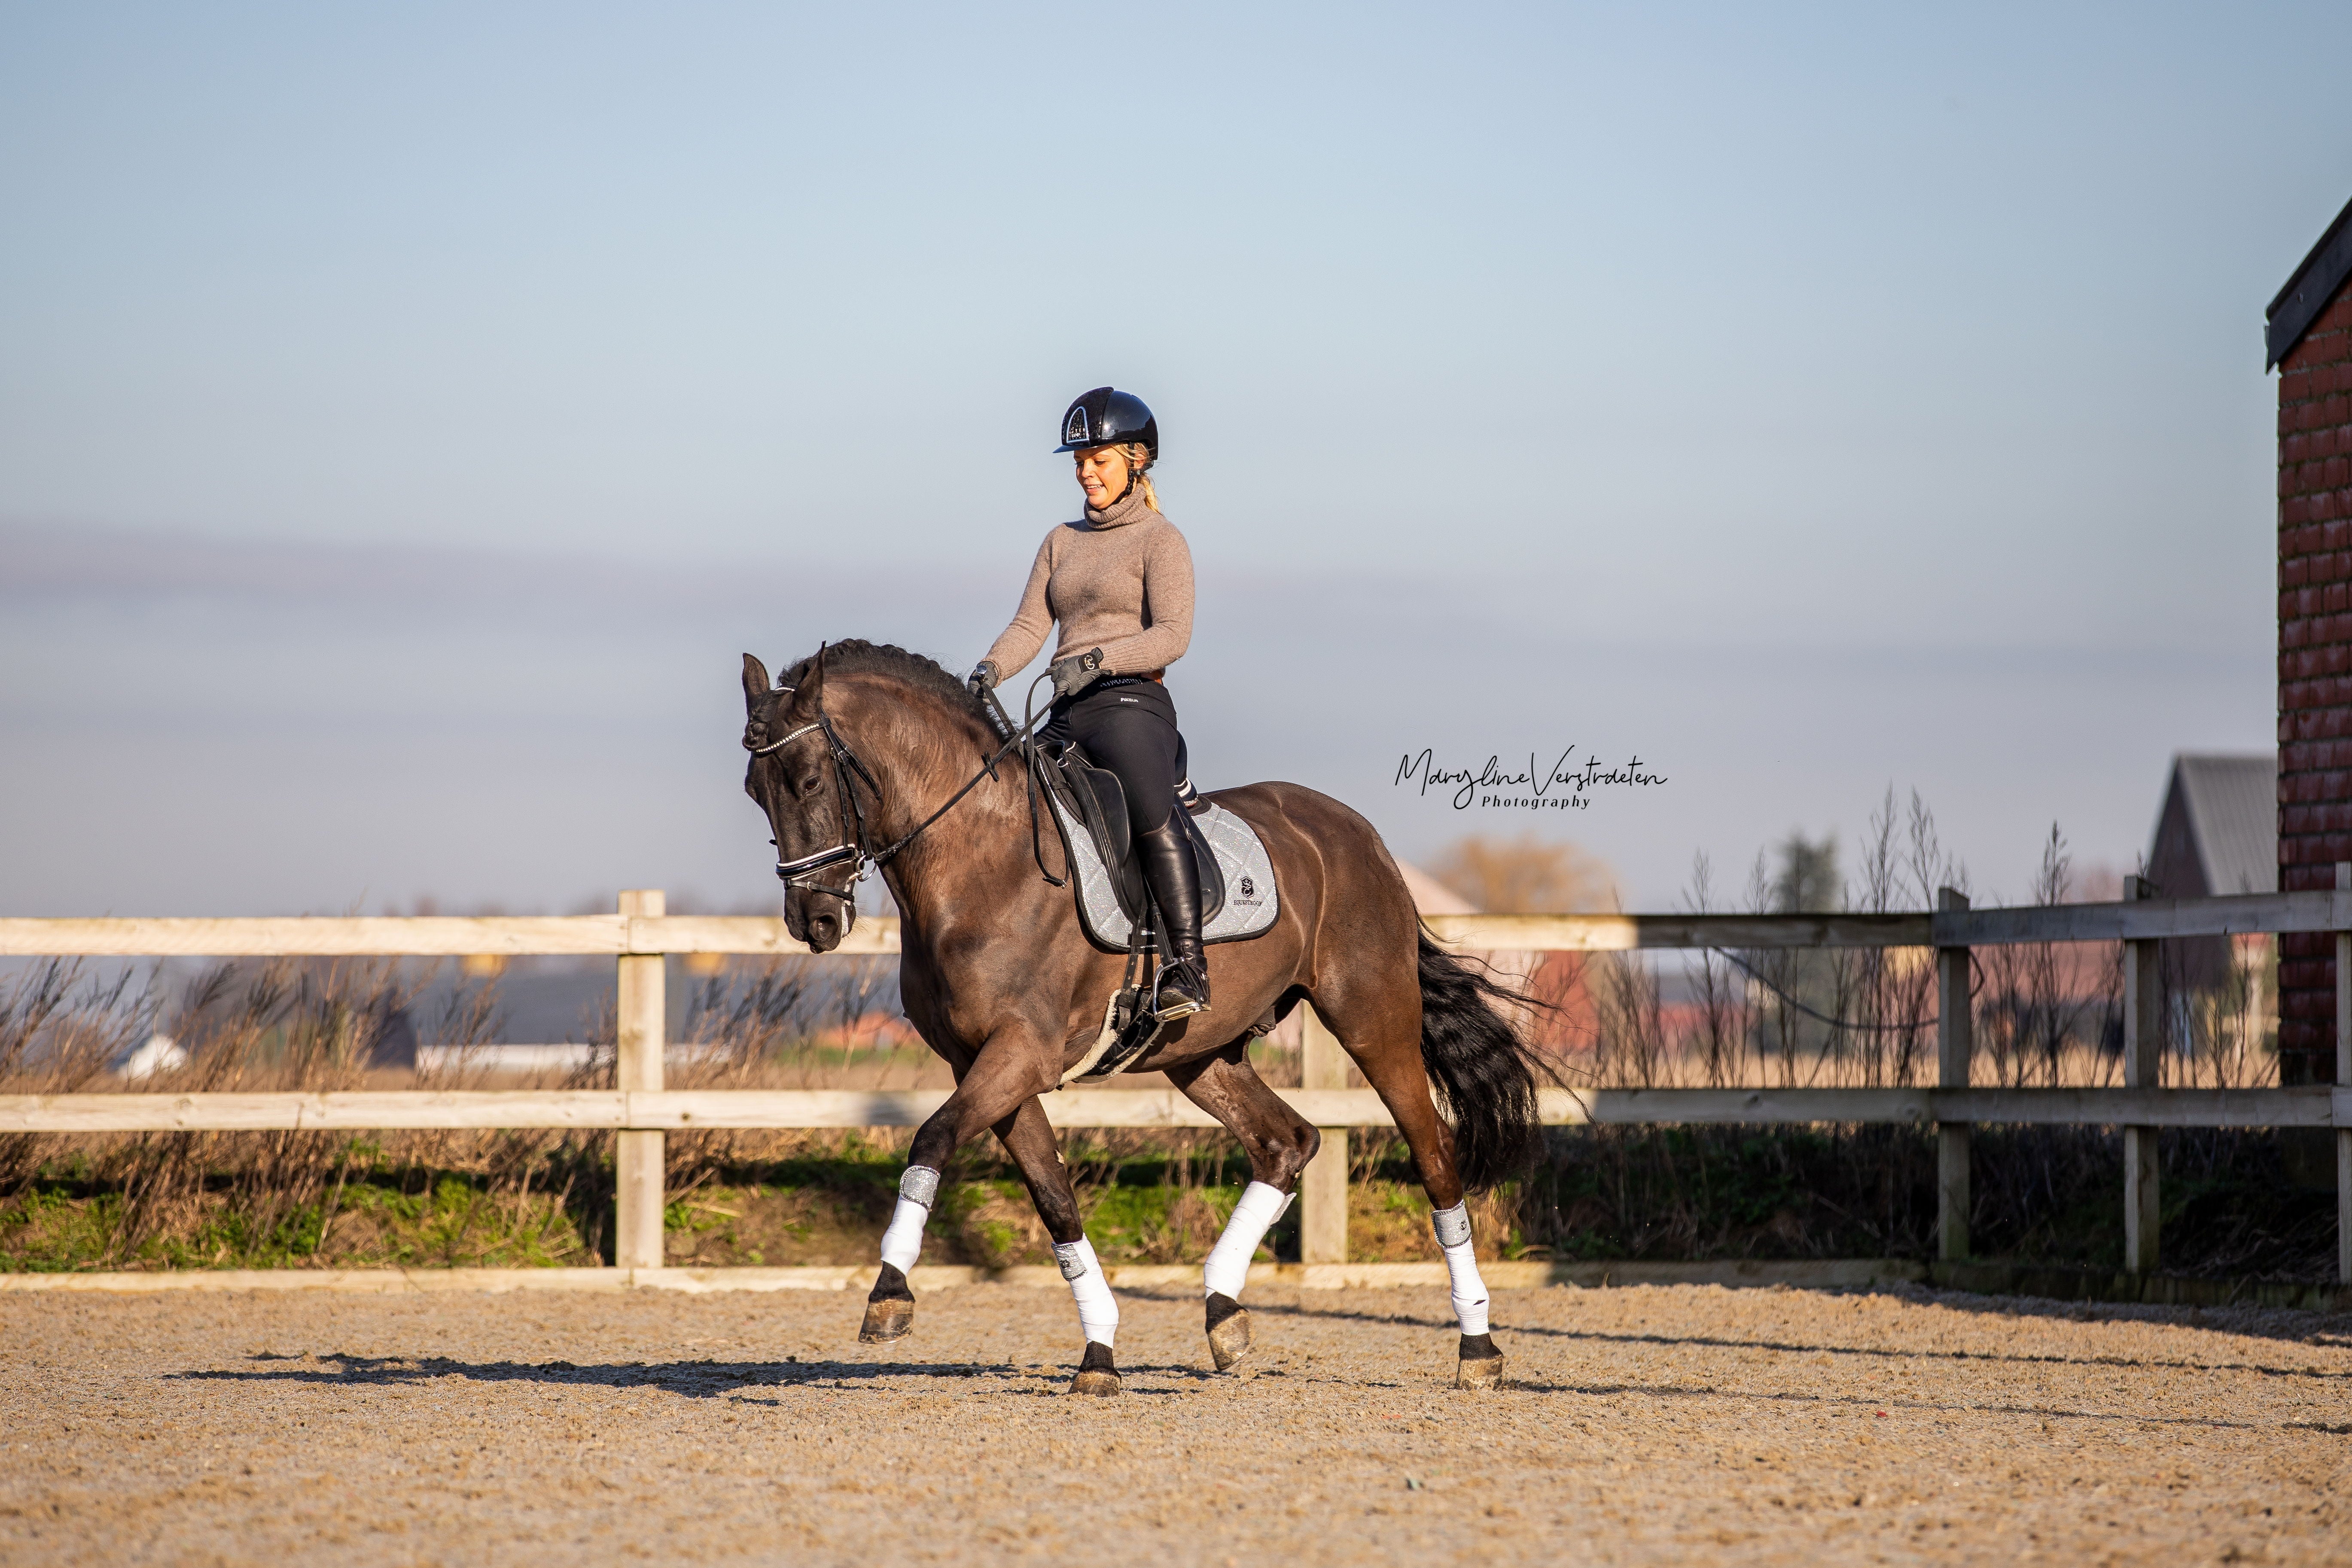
[(1229, 1330), (885, 1321), (1481, 1364), (1097, 1373), (889, 1310)]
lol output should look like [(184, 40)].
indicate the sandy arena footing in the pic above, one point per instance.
[(1644, 1424)]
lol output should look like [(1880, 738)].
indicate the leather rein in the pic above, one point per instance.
[(848, 772)]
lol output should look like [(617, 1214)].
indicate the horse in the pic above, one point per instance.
[(866, 756)]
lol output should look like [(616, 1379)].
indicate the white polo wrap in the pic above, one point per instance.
[(1452, 1228), (1227, 1269), (902, 1243), (1098, 1308)]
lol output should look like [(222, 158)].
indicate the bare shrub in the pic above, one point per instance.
[(1526, 875), (60, 1032)]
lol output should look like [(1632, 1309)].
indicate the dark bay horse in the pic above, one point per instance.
[(858, 746)]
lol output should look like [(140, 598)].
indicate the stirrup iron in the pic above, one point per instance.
[(1178, 1005)]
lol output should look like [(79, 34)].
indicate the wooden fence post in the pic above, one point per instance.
[(2143, 1068), (2343, 1079), (1955, 1054), (642, 1008), (1323, 1189)]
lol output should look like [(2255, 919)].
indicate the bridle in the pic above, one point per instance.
[(848, 772)]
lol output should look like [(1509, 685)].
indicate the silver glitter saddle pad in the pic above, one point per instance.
[(1250, 902)]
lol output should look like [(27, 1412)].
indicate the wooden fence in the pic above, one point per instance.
[(639, 1111)]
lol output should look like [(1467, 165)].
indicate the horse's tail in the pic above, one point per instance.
[(1486, 1072)]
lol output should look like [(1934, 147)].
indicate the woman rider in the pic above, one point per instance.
[(1120, 584)]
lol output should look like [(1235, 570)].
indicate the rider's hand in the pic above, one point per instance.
[(983, 677), (1075, 673)]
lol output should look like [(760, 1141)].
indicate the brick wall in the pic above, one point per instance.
[(2314, 699)]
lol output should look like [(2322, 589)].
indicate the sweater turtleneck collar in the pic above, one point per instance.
[(1131, 508)]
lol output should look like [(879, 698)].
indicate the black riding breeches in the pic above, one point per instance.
[(1127, 724)]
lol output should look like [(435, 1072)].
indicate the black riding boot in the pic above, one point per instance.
[(1175, 886)]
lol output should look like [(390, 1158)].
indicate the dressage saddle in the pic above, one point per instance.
[(1095, 798)]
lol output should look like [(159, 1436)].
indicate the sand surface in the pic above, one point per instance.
[(1645, 1425)]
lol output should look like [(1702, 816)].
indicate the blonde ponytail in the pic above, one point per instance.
[(1139, 459)]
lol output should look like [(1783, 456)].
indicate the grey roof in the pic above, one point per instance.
[(2307, 292), (2233, 802)]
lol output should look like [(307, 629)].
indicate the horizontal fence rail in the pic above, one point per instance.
[(521, 936), (424, 936), (677, 1110), (640, 1111)]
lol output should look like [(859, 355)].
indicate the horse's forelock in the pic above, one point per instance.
[(762, 727)]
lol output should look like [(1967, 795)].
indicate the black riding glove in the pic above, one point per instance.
[(1075, 673), (983, 677)]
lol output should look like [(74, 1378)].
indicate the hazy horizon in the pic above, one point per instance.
[(214, 728)]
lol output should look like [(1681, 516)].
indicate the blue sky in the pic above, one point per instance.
[(1811, 399)]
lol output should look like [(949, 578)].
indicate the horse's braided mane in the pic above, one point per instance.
[(859, 656)]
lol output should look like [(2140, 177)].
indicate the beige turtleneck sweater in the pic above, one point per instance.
[(1120, 581)]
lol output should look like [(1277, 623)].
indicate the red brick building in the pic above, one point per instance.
[(2310, 343)]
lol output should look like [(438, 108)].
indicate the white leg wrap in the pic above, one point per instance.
[(1098, 1308), (903, 1242), (1227, 1269), (1453, 1227)]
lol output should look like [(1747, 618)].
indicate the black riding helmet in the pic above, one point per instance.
[(1105, 417)]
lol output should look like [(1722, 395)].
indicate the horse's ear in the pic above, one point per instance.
[(755, 683), (813, 683)]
